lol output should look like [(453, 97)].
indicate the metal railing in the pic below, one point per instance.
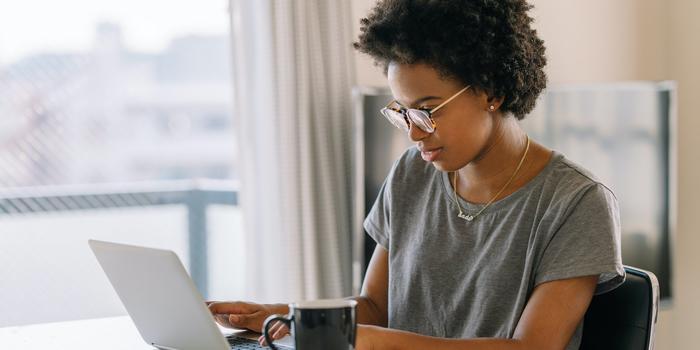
[(195, 195)]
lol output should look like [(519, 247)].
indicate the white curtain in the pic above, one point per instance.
[(293, 75)]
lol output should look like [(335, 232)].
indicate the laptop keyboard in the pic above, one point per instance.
[(238, 343)]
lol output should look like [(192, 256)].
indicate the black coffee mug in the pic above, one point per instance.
[(319, 325)]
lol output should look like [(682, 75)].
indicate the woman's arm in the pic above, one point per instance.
[(373, 300), (371, 304), (549, 320)]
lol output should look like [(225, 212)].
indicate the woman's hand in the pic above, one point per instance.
[(243, 315), (277, 331)]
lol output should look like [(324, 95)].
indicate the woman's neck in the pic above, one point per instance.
[(484, 176)]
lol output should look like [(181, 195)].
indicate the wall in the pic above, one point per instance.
[(367, 73), (684, 55), (603, 40)]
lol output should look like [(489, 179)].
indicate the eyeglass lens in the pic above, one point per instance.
[(416, 117)]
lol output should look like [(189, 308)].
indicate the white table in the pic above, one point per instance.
[(113, 333), (103, 333)]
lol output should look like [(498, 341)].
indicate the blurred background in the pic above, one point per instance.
[(184, 125)]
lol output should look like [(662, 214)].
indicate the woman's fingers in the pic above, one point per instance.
[(222, 320), (277, 331), (275, 326), (281, 332), (232, 321), (272, 330), (251, 321), (239, 321), (239, 314), (261, 341)]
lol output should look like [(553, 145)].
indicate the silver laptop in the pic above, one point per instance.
[(162, 300)]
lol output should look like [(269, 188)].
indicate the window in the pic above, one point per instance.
[(105, 108)]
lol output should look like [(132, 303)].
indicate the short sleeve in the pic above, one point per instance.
[(377, 223), (586, 243)]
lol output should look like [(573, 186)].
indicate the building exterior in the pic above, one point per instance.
[(113, 115)]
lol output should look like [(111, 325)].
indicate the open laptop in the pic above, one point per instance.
[(162, 300)]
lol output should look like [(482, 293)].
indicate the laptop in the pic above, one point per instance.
[(162, 300)]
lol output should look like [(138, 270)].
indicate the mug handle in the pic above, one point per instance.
[(269, 321)]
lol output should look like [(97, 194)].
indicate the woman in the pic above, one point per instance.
[(486, 239)]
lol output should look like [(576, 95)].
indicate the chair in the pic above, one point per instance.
[(624, 318)]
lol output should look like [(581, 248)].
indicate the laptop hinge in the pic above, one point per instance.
[(162, 347)]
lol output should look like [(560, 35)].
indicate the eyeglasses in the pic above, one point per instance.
[(403, 118)]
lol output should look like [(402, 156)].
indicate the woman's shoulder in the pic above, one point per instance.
[(569, 181)]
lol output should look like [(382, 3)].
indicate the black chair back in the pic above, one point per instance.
[(624, 318)]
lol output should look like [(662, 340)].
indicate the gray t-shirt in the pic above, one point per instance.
[(457, 279)]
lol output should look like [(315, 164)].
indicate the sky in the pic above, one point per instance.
[(36, 26)]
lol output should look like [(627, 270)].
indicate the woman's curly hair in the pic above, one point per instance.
[(488, 44)]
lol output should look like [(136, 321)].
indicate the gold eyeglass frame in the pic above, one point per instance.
[(405, 113)]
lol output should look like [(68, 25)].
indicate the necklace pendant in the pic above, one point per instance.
[(465, 216)]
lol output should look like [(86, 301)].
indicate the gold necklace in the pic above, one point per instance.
[(470, 217)]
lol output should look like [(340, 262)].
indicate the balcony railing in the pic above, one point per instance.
[(195, 195)]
